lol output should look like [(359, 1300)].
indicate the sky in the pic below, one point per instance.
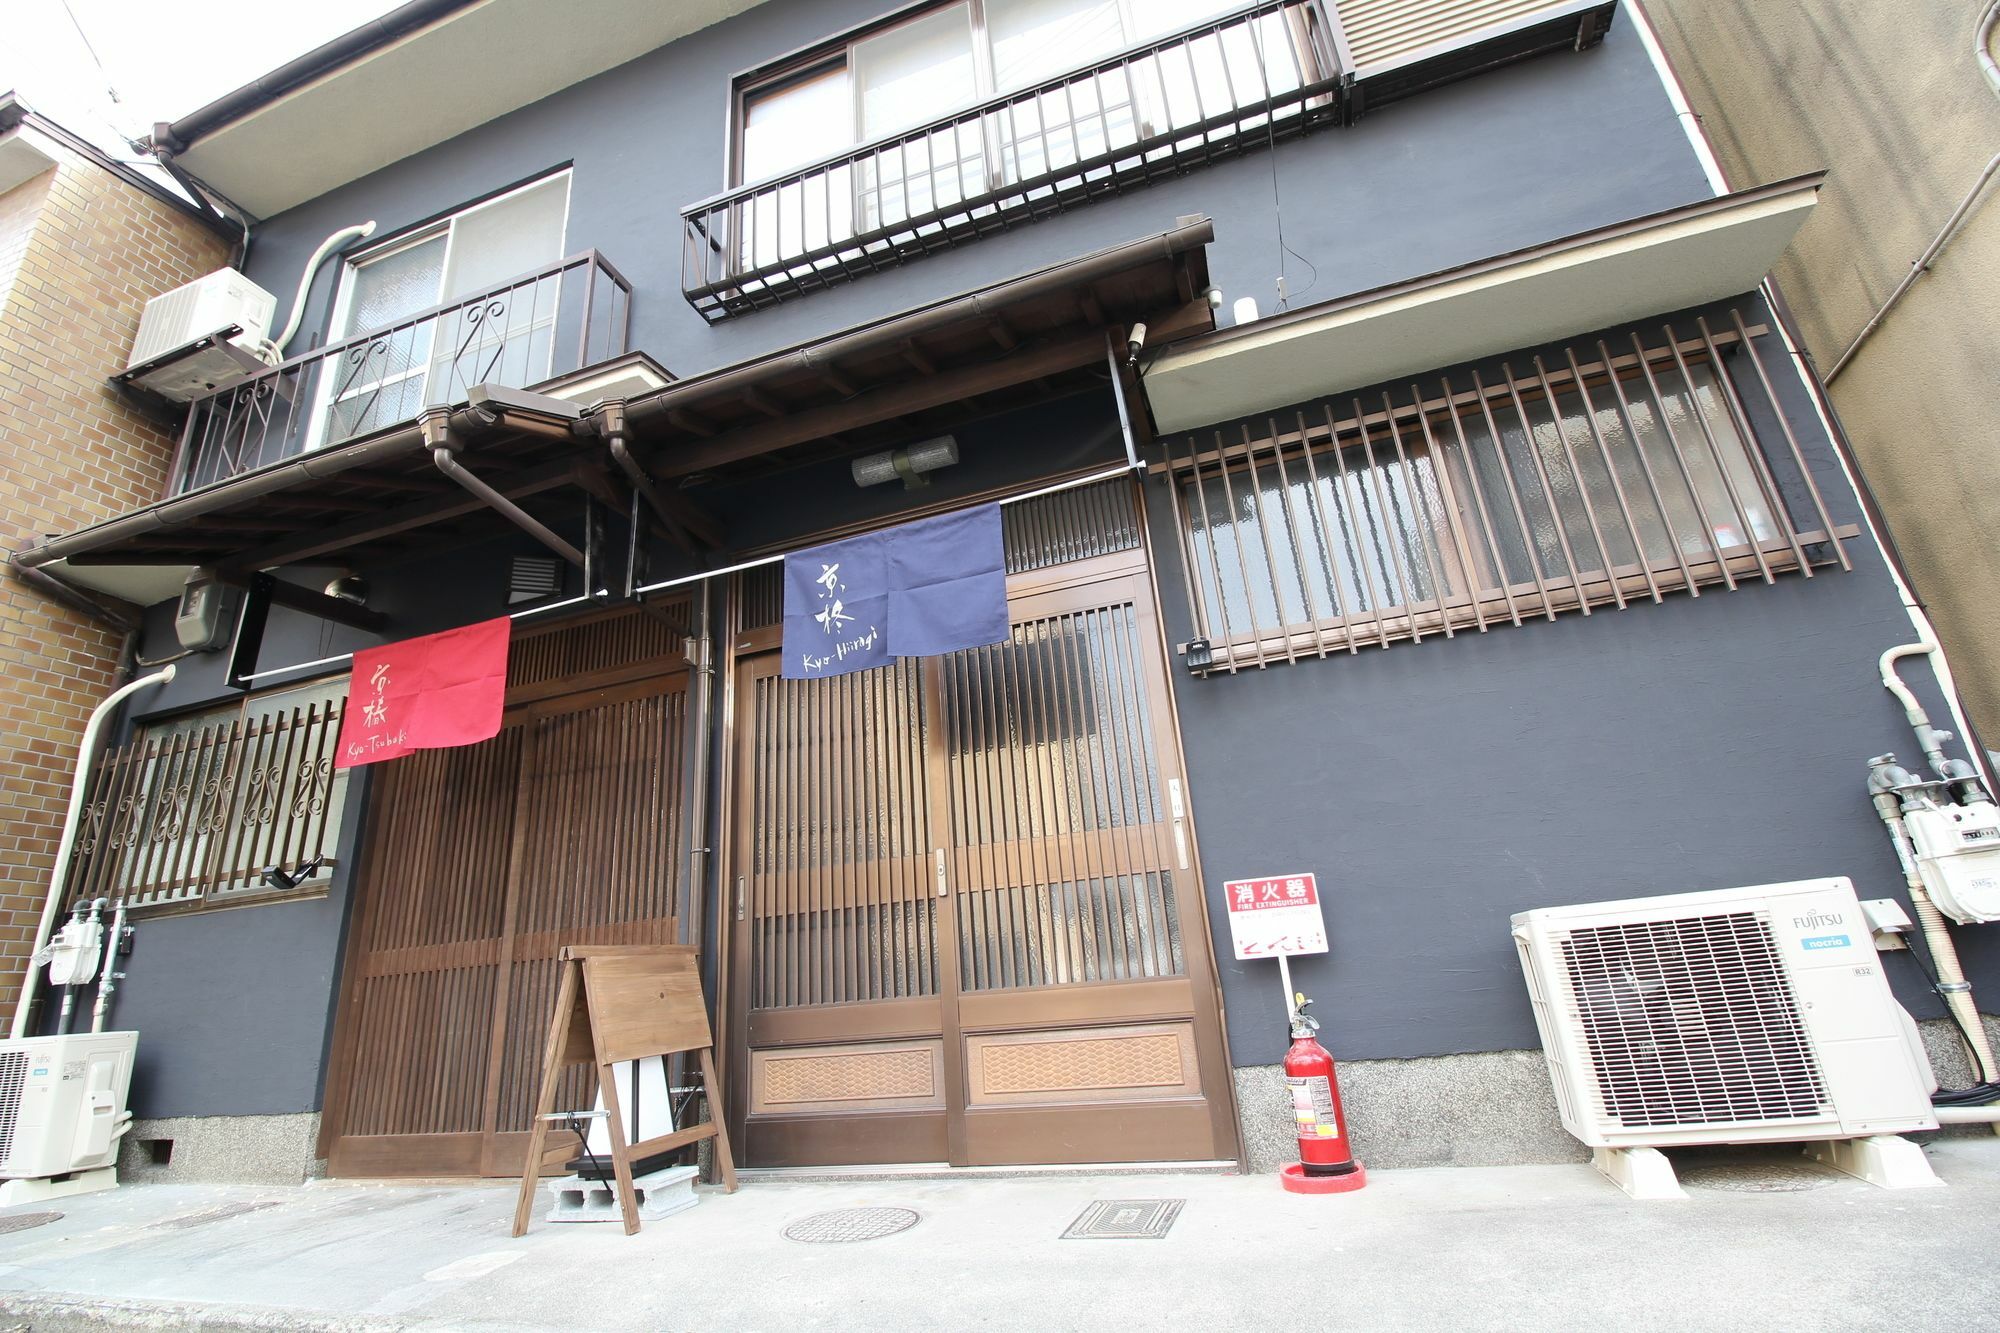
[(165, 58)]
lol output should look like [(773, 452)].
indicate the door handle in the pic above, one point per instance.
[(941, 883), (740, 898), (1178, 807)]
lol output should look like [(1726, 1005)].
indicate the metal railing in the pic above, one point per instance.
[(200, 812), (1602, 475), (556, 319), (1209, 91)]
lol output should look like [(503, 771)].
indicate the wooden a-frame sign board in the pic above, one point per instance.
[(638, 1001)]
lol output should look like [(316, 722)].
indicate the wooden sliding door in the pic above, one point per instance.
[(478, 864), (968, 927)]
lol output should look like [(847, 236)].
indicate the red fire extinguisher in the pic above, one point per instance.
[(1326, 1162)]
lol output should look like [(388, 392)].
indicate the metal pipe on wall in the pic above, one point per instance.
[(86, 754), (1982, 49), (696, 859)]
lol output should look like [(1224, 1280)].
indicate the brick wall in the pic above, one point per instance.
[(84, 251)]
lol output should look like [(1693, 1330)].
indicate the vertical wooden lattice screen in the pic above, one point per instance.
[(1062, 855), (479, 864), (841, 876)]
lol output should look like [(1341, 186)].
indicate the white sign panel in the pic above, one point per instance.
[(1276, 915)]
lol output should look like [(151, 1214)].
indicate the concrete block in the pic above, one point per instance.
[(661, 1194)]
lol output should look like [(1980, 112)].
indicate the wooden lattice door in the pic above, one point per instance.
[(969, 929), (478, 864)]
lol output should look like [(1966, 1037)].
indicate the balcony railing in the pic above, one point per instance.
[(1158, 110), (557, 319)]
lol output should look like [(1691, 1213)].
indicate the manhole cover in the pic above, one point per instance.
[(1756, 1177), (849, 1224), (22, 1221), (208, 1215), (1125, 1219)]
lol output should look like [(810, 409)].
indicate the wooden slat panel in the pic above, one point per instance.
[(840, 866), (1060, 850), (595, 779)]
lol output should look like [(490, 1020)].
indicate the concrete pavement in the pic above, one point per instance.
[(1529, 1247)]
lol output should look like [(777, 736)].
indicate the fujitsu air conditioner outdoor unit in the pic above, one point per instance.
[(1739, 1016), (62, 1102), (190, 314)]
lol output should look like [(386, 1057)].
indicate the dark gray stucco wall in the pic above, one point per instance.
[(1507, 159), (1438, 788)]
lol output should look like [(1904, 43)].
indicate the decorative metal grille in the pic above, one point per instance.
[(195, 810), (1556, 484), (556, 319), (1690, 1021)]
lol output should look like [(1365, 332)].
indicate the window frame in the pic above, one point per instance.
[(838, 50), (326, 394), (1240, 631)]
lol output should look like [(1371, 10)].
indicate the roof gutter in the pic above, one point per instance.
[(372, 36), (986, 302)]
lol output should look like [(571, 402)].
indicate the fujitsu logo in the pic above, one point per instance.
[(1815, 920)]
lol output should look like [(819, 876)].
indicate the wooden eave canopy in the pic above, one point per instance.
[(1039, 336), (381, 497)]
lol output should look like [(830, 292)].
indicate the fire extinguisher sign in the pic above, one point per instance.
[(1278, 916)]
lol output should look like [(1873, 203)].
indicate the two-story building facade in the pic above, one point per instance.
[(1405, 479)]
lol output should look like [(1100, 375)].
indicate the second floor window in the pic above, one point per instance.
[(952, 56), (398, 361)]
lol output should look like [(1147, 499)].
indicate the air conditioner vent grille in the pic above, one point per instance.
[(1690, 1020), (13, 1078)]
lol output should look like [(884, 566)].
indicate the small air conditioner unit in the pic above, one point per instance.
[(1739, 1016), (62, 1102), (190, 314)]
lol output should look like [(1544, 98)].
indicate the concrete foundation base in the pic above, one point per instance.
[(222, 1149), (1494, 1108), (1489, 1108)]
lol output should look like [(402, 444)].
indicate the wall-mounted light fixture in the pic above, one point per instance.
[(909, 462), (1200, 655)]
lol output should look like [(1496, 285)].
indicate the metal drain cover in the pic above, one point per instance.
[(1757, 1177), (22, 1221), (1125, 1219), (843, 1225), (219, 1213)]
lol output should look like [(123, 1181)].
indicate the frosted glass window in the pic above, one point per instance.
[(1034, 39), (1157, 18), (506, 238), (799, 121), (916, 72)]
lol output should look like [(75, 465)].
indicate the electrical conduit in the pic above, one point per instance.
[(86, 758)]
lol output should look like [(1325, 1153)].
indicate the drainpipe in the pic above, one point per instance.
[(1983, 50), (611, 424), (444, 446), (86, 757), (701, 664)]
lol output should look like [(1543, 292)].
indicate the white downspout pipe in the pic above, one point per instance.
[(86, 759), (359, 231)]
